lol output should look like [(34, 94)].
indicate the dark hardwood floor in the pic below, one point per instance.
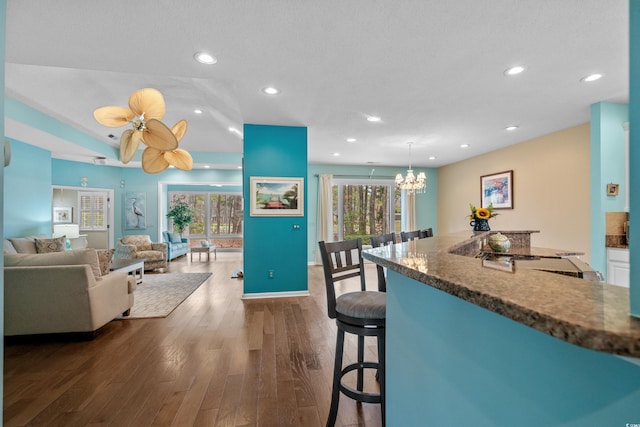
[(216, 360)]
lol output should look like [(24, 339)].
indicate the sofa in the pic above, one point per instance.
[(62, 293), (176, 245), (140, 246)]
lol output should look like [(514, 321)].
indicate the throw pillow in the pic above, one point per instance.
[(26, 245), (175, 238), (75, 257), (104, 259), (45, 246)]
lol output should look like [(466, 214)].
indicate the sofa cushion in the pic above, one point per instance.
[(150, 255), (175, 237), (26, 245), (8, 248), (141, 242), (45, 246), (104, 259), (75, 257)]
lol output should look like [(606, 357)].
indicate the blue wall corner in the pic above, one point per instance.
[(274, 243), (27, 191), (634, 152), (606, 166)]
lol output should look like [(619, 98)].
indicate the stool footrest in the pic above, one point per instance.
[(360, 396)]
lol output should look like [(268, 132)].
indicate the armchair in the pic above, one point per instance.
[(141, 247)]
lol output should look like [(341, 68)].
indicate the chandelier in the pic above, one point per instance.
[(411, 183)]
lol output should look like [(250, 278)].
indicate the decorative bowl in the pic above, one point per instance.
[(499, 242)]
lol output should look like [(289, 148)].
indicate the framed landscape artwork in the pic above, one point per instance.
[(273, 196), (497, 189)]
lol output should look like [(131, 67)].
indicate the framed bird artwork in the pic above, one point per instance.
[(135, 209)]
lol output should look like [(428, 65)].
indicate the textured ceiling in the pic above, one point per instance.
[(431, 69)]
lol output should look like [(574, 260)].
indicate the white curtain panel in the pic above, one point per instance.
[(409, 211), (323, 225)]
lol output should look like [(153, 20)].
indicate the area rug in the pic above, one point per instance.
[(159, 294)]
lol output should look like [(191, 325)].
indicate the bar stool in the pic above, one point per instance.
[(376, 242), (407, 236), (362, 313)]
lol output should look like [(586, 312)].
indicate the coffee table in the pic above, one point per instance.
[(204, 250), (134, 267)]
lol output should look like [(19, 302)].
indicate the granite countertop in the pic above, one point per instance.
[(587, 313)]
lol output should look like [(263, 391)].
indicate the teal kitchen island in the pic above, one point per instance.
[(469, 344)]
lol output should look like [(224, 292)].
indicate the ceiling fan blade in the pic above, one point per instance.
[(179, 158), (148, 101), (113, 116), (153, 160), (129, 142), (179, 129), (158, 135)]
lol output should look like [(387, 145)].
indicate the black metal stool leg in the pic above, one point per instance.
[(360, 381), (337, 376), (382, 373)]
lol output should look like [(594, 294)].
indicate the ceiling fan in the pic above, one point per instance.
[(146, 109)]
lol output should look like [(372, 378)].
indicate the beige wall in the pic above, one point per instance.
[(551, 189)]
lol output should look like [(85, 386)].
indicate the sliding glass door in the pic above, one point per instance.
[(364, 209), (218, 217)]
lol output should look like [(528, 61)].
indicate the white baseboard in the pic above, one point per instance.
[(288, 294)]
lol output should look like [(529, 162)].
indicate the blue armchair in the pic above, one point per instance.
[(176, 245)]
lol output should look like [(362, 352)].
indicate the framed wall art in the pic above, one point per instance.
[(273, 196), (62, 215), (135, 209), (497, 190)]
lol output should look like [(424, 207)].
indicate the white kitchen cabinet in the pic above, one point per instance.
[(618, 267)]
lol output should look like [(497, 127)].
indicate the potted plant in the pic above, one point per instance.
[(181, 215)]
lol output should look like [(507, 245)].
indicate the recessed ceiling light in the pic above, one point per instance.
[(351, 140), (514, 70), (432, 157), (373, 119), (464, 146), (592, 77), (207, 166), (197, 111), (335, 154), (238, 167), (510, 128), (205, 58), (271, 90)]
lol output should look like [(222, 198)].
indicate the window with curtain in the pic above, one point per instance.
[(93, 210), (365, 208)]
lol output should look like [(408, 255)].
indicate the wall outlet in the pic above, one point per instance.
[(270, 274)]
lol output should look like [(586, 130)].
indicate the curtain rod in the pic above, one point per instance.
[(362, 176)]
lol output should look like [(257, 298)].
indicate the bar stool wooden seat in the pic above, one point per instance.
[(362, 313)]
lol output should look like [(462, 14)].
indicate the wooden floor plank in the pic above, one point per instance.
[(217, 360)]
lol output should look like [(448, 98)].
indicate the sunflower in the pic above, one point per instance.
[(483, 213)]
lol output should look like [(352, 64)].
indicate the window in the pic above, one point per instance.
[(217, 217), (363, 209), (93, 210)]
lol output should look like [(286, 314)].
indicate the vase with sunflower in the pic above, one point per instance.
[(480, 217)]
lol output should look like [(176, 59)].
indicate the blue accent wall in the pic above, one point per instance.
[(27, 191), (273, 243), (452, 363), (607, 166), (634, 153)]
